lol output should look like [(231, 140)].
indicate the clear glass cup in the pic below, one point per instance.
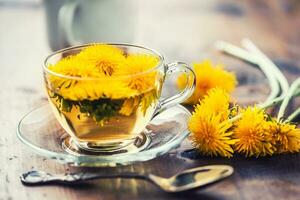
[(108, 113)]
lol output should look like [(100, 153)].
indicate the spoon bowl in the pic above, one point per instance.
[(193, 178)]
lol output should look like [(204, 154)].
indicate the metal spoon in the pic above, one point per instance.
[(183, 181)]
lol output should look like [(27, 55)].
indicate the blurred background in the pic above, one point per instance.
[(180, 30)]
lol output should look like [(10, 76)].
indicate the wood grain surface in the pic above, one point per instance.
[(180, 30)]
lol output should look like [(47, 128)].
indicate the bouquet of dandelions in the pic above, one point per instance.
[(219, 128)]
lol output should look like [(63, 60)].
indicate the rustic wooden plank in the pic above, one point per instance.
[(181, 30)]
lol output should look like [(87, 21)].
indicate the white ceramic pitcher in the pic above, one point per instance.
[(73, 22)]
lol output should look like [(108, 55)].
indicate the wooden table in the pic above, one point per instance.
[(181, 30)]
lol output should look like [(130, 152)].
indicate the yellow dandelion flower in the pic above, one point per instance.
[(106, 58), (90, 89), (254, 139), (149, 99), (95, 89), (210, 135), (208, 76), (217, 100), (67, 87), (209, 125), (129, 106), (72, 66), (138, 63), (96, 61), (286, 136), (142, 102), (106, 64)]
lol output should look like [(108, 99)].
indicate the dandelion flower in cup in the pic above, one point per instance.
[(67, 87), (72, 66), (251, 132), (139, 63), (129, 106), (208, 76), (106, 58), (210, 131), (87, 64), (286, 136)]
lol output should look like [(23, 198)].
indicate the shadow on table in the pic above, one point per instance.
[(113, 190), (276, 166)]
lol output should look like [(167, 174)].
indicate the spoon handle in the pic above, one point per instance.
[(40, 177)]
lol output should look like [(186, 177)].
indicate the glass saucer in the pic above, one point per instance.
[(40, 130)]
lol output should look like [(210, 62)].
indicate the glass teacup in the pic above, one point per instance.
[(107, 113)]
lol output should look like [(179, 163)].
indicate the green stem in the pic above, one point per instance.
[(235, 118), (235, 51), (248, 57), (293, 115), (275, 77), (277, 100), (262, 106), (290, 94), (270, 104), (264, 60)]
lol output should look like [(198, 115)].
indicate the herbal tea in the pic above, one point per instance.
[(105, 120), (103, 95)]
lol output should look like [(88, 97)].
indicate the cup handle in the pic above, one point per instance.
[(65, 21), (182, 95)]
